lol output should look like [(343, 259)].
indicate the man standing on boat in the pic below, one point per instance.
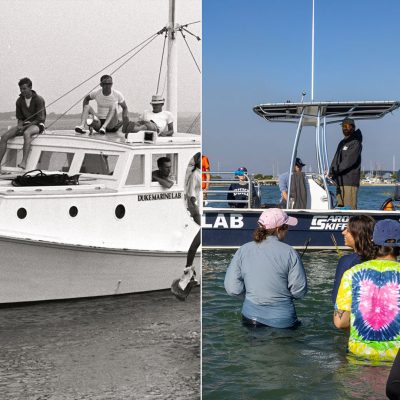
[(108, 100), (346, 165), (31, 115), (298, 187), (157, 120)]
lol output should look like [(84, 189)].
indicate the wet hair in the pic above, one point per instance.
[(260, 234), (361, 228), (25, 81), (383, 251), (104, 77), (162, 160)]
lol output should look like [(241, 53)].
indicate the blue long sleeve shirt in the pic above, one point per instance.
[(271, 275)]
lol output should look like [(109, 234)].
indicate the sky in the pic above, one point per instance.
[(61, 43), (259, 51)]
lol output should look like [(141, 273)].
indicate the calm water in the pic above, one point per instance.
[(130, 347), (307, 363)]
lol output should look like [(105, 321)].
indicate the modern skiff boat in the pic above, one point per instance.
[(115, 232), (320, 223)]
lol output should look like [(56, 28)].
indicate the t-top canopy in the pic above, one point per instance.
[(332, 111)]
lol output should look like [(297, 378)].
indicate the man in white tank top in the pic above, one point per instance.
[(106, 117)]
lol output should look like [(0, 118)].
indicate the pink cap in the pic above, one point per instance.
[(274, 218)]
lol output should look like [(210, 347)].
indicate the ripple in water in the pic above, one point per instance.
[(306, 363)]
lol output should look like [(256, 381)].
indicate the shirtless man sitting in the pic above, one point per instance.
[(162, 175), (157, 120), (106, 118)]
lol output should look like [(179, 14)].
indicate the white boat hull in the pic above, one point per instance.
[(38, 271)]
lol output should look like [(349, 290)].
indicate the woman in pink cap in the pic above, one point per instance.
[(270, 274)]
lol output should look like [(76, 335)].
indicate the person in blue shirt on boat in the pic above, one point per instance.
[(358, 236), (345, 168), (240, 191), (298, 186), (31, 115), (269, 273), (106, 118)]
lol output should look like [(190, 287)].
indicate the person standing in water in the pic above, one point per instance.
[(269, 273)]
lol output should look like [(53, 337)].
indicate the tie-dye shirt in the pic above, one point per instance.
[(371, 293)]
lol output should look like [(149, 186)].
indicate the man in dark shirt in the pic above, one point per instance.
[(239, 192), (31, 115), (346, 165)]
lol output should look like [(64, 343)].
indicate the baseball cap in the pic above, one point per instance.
[(274, 217), (241, 171), (299, 162), (349, 121), (387, 233)]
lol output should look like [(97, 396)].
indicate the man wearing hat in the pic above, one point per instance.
[(298, 195), (238, 195), (157, 120), (345, 168)]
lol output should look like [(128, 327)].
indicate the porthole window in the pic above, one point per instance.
[(21, 213), (73, 211), (120, 211)]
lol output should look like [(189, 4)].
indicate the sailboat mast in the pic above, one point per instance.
[(312, 54), (172, 66)]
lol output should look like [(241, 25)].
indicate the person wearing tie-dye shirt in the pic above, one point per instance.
[(368, 299)]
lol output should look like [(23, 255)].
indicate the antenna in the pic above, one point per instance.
[(312, 54)]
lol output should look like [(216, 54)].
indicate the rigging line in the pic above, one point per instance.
[(119, 67), (93, 75), (184, 38), (190, 33), (161, 64), (194, 122), (191, 23)]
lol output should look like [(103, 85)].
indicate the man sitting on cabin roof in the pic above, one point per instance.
[(108, 100), (162, 175), (31, 115), (157, 120)]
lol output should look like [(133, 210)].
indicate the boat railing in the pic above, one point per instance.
[(219, 189)]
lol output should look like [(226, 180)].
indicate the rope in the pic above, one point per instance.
[(184, 38), (194, 122), (143, 44), (161, 63)]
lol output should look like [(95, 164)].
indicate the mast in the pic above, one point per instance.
[(312, 54), (172, 66)]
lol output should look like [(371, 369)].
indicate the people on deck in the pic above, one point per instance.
[(156, 120), (193, 192), (358, 236), (298, 187), (269, 273), (106, 118), (162, 175), (31, 115), (238, 196), (368, 298), (345, 168)]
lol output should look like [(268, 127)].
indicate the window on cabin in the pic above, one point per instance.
[(136, 171), (12, 158), (99, 164), (171, 158), (55, 161)]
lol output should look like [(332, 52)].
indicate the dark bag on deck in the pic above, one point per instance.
[(41, 179)]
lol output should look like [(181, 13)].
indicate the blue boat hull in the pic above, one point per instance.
[(231, 228)]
